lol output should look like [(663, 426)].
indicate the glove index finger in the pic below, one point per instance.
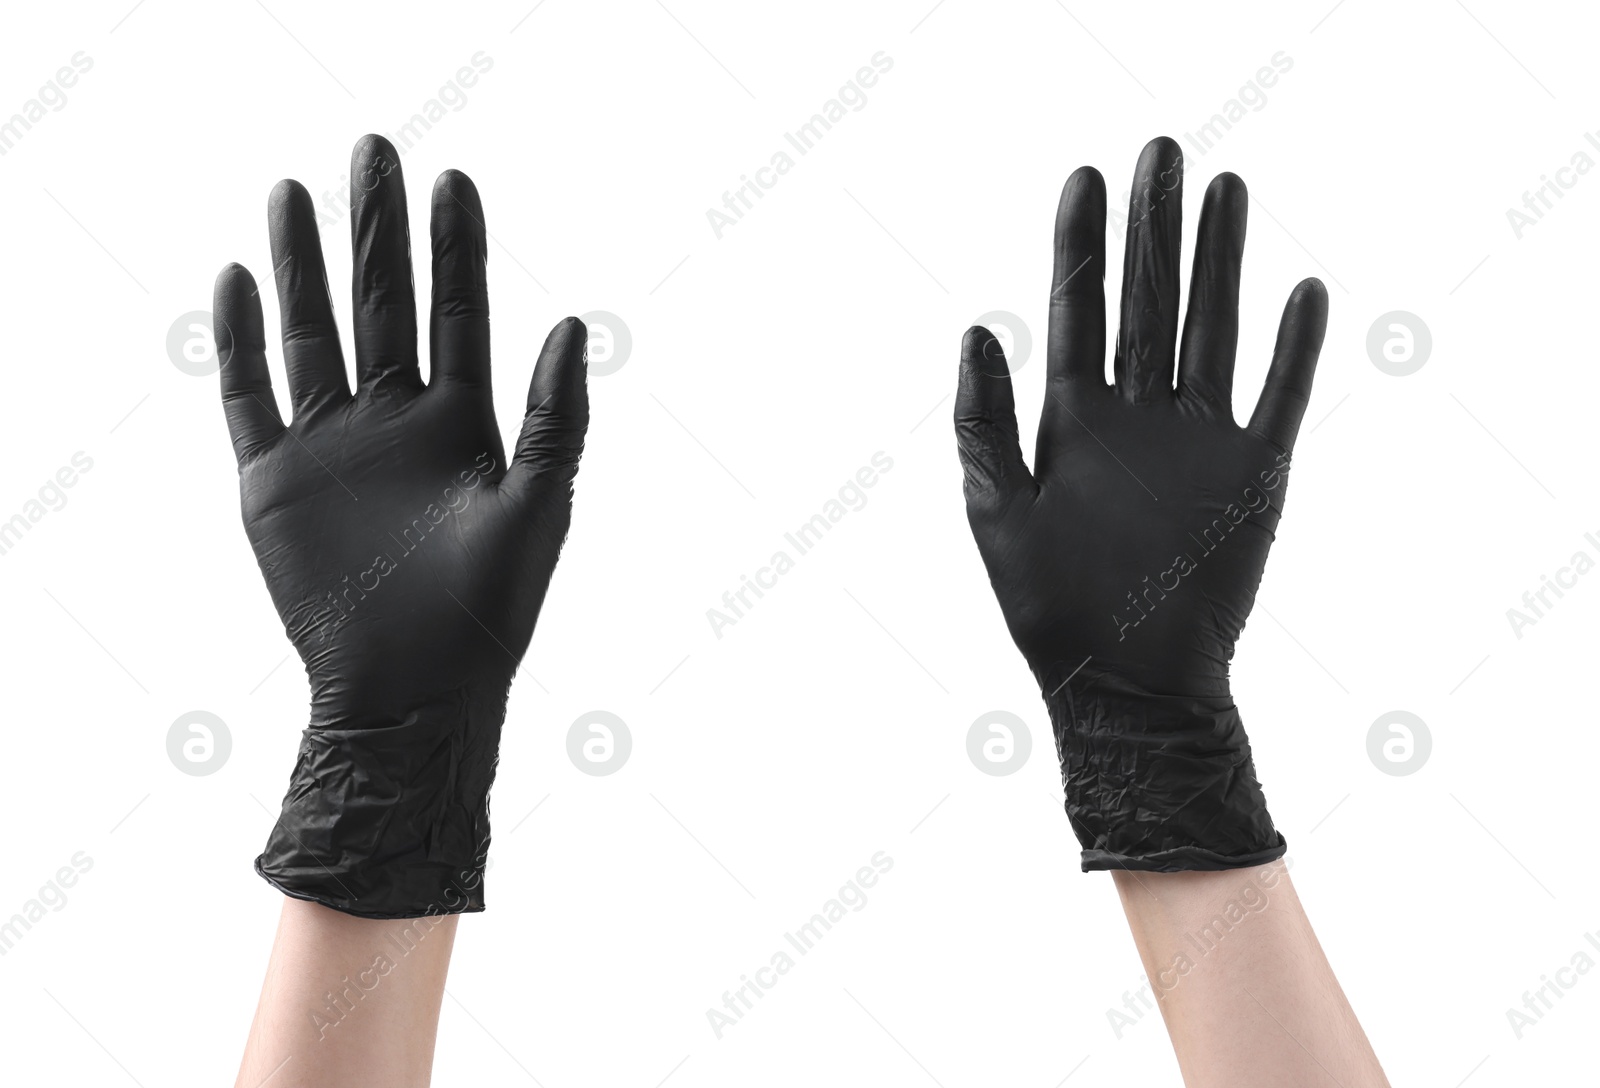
[(458, 328), (1077, 333)]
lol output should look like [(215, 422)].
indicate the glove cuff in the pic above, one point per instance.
[(389, 818), (1158, 783)]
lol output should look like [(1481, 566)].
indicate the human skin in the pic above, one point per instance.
[(348, 1001), (1251, 1001)]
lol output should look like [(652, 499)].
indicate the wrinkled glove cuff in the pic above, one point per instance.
[(388, 820), (1158, 783)]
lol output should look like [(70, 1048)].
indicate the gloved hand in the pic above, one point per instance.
[(1127, 562), (406, 558)]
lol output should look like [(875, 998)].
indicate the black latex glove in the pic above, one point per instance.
[(406, 558), (1127, 562)]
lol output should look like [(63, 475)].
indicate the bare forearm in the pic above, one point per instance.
[(348, 1001), (1247, 994)]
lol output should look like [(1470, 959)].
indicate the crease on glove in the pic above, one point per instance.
[(388, 820), (1158, 783)]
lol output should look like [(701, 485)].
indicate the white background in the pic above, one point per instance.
[(831, 722)]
